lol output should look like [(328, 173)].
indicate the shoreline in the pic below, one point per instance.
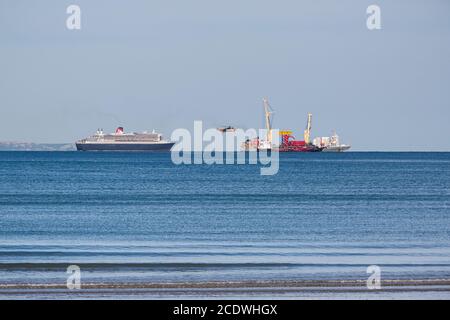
[(280, 289), (236, 284)]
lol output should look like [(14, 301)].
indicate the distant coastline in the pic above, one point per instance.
[(29, 146)]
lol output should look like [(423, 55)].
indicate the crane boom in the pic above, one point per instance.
[(268, 111), (307, 133)]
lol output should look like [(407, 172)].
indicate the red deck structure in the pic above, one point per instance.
[(289, 144)]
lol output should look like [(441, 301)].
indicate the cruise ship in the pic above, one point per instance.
[(121, 141)]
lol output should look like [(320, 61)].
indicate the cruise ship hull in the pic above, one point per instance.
[(166, 146)]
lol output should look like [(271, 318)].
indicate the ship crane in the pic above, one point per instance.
[(268, 111), (307, 133), (262, 144)]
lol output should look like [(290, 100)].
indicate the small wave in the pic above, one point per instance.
[(184, 265)]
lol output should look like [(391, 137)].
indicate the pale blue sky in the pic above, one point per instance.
[(163, 64)]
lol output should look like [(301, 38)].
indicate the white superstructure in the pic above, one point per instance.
[(330, 144)]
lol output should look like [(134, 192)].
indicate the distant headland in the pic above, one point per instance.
[(30, 146)]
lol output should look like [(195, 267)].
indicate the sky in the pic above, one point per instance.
[(162, 64)]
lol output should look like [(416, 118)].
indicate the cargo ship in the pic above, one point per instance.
[(288, 142), (121, 141)]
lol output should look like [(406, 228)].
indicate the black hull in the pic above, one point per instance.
[(124, 146)]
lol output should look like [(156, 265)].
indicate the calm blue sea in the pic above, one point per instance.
[(136, 217)]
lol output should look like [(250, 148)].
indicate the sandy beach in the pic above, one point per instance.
[(332, 289)]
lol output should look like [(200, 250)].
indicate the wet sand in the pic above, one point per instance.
[(330, 289)]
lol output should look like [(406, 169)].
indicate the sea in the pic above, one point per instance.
[(139, 226)]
